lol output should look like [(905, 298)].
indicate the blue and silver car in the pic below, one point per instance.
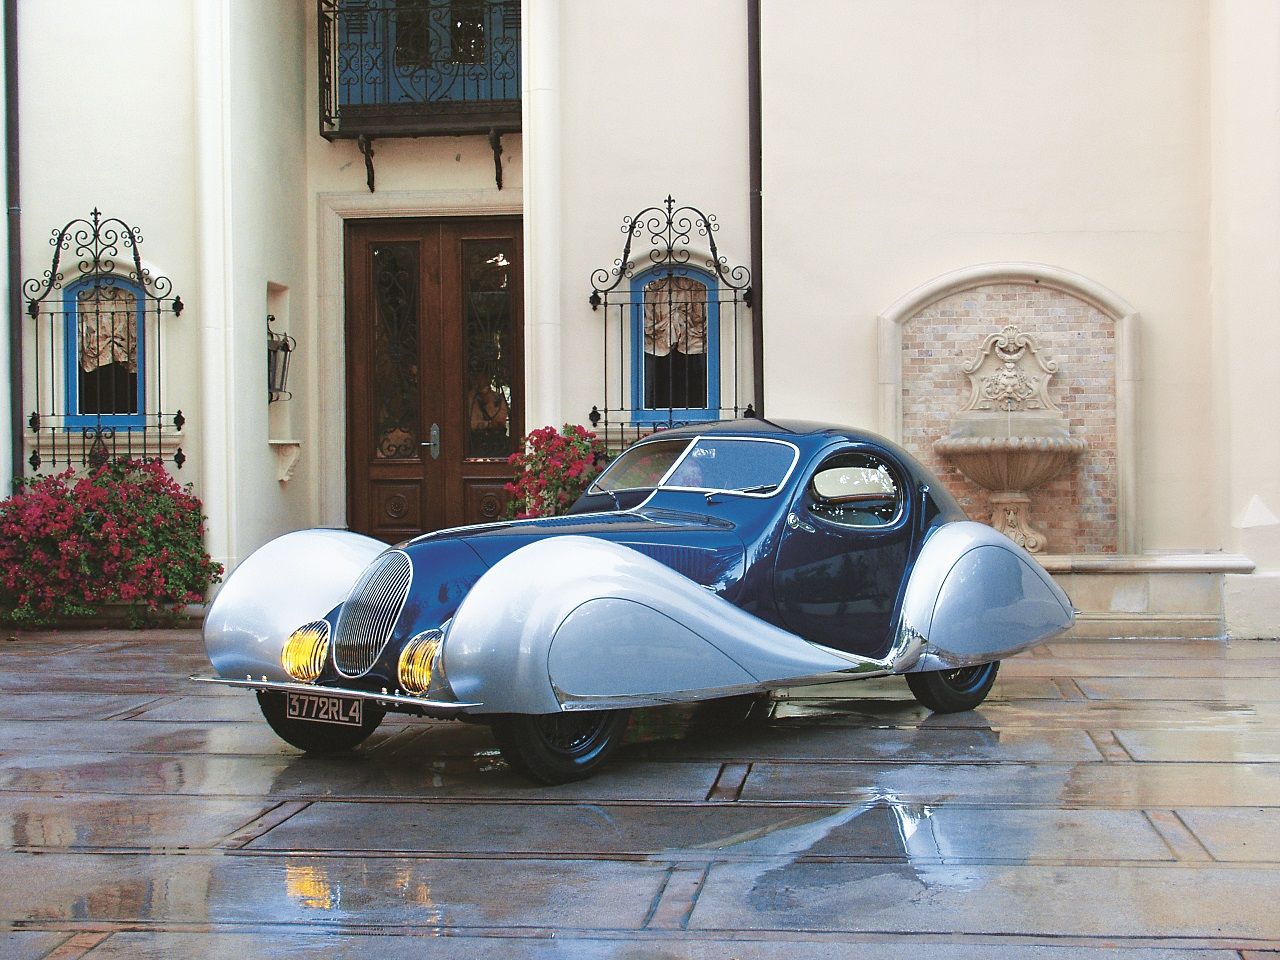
[(705, 562)]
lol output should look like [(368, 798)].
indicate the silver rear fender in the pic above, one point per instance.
[(975, 596)]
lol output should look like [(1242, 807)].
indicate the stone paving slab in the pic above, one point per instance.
[(70, 706), (421, 894), (928, 745), (107, 821), (360, 775), (174, 738), (1124, 667), (1250, 835), (1036, 715), (1197, 651), (28, 944), (1083, 901), (712, 832), (1204, 746), (1125, 786), (1216, 689), (301, 946)]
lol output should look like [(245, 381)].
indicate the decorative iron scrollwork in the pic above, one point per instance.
[(99, 348), (682, 286), (670, 230)]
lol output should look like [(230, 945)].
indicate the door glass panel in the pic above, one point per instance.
[(397, 413), (488, 335)]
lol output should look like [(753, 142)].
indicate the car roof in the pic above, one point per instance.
[(793, 430)]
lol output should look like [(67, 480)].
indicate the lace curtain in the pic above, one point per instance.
[(675, 316), (108, 327)]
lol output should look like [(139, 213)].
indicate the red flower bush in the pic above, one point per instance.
[(552, 470), (126, 531)]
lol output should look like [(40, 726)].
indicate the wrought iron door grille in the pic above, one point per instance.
[(367, 618), (412, 67), (98, 352), (676, 336)]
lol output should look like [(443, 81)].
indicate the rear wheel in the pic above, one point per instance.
[(559, 747), (951, 691), (313, 736)]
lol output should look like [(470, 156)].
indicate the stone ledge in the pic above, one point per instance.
[(1147, 563)]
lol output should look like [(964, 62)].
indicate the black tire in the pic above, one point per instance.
[(313, 737), (559, 747), (951, 691)]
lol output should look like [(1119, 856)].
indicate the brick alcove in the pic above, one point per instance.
[(926, 337)]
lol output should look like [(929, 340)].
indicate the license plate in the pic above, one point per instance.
[(326, 708)]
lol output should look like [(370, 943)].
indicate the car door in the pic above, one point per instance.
[(845, 549)]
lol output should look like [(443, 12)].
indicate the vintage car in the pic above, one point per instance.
[(705, 562)]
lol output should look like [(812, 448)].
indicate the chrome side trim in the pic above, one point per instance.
[(440, 706)]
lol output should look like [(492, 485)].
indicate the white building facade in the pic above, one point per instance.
[(419, 193)]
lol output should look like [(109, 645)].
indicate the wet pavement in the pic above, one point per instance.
[(1111, 799)]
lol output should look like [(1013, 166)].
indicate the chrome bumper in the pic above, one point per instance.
[(444, 708)]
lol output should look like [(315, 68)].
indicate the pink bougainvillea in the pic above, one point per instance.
[(124, 532), (553, 468)]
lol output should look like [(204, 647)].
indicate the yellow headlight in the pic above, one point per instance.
[(305, 651), (417, 660)]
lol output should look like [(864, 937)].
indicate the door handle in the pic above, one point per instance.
[(795, 523), (434, 443)]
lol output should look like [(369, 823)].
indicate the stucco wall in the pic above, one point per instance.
[(653, 102), (906, 140), (106, 125)]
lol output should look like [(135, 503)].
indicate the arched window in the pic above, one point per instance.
[(105, 354), (675, 327)]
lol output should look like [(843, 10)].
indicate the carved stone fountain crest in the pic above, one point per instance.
[(1011, 437)]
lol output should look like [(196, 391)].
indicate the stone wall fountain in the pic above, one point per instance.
[(1011, 437)]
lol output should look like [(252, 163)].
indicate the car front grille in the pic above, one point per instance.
[(365, 622)]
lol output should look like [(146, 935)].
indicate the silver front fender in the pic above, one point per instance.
[(576, 623), (975, 596), (291, 580)]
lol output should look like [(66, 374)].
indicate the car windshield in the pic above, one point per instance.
[(711, 464)]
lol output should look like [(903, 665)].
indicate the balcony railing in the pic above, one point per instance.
[(419, 67)]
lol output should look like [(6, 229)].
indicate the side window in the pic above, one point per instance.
[(104, 352), (856, 490), (675, 329)]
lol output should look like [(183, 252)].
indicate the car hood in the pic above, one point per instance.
[(706, 550)]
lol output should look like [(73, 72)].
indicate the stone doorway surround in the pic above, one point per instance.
[(1120, 594), (329, 406)]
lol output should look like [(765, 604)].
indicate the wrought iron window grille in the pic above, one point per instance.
[(676, 334), (280, 347), (100, 318), (412, 68)]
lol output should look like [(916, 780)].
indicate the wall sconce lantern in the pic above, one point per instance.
[(280, 347)]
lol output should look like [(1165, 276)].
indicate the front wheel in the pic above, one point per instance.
[(559, 747), (951, 691), (314, 736)]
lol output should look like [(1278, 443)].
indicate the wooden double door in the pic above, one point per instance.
[(435, 371)]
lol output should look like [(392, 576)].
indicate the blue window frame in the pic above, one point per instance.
[(104, 353), (675, 333)]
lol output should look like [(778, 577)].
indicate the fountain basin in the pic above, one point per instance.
[(1010, 463)]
